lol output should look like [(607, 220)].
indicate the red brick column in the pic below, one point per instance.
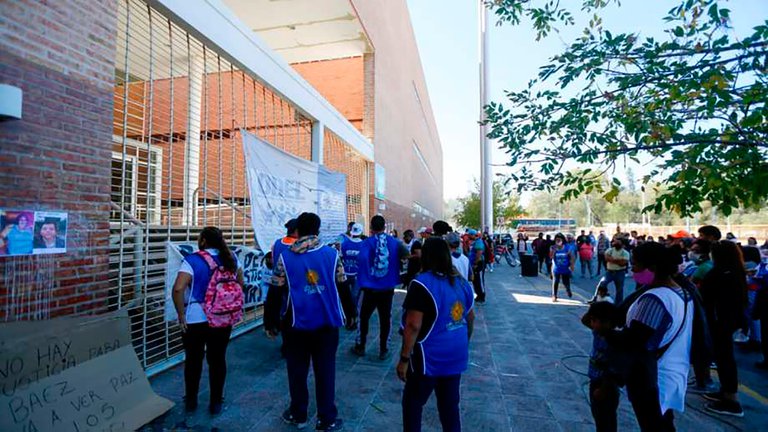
[(57, 157)]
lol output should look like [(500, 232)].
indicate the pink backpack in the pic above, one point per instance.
[(224, 297)]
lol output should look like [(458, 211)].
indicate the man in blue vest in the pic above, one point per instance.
[(378, 273), (350, 249), (311, 277)]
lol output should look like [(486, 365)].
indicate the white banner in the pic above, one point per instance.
[(282, 186), (255, 273)]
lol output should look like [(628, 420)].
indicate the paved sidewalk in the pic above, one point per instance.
[(517, 381)]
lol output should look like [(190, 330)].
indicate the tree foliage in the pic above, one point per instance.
[(692, 106), (505, 205)]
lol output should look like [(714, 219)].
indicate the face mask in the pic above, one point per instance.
[(644, 277), (693, 256)]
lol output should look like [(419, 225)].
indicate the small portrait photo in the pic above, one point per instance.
[(50, 232), (16, 232)]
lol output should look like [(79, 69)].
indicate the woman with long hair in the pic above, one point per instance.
[(438, 320), (724, 293), (200, 339)]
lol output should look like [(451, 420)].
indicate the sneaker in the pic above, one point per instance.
[(726, 407), (762, 365), (554, 299), (570, 294), (290, 419), (739, 337), (708, 388), (215, 408), (713, 396), (383, 354), (358, 350), (190, 404), (335, 425)]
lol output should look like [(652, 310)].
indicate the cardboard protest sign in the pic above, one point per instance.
[(33, 350), (108, 393)]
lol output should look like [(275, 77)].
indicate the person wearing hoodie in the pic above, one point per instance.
[(378, 267), (311, 277)]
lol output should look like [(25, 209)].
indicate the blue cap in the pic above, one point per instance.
[(472, 231)]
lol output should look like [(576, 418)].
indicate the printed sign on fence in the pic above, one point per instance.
[(255, 273), (282, 186)]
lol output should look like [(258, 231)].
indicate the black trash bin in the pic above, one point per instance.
[(529, 265)]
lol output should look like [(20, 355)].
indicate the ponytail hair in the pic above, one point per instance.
[(214, 239)]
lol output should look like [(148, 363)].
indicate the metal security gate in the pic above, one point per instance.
[(178, 164)]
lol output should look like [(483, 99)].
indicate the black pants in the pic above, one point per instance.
[(605, 405), (544, 260), (566, 278), (478, 281), (722, 341), (643, 393), (202, 341), (601, 262), (319, 346), (380, 300), (418, 388)]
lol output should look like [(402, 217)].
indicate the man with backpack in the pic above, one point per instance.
[(311, 276), (378, 273), (208, 296)]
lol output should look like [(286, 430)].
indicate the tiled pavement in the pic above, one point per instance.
[(517, 380)]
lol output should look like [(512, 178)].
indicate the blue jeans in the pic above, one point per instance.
[(617, 277), (417, 390)]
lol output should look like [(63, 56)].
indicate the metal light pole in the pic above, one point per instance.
[(486, 180)]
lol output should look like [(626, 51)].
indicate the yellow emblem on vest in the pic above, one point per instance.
[(312, 277), (457, 311)]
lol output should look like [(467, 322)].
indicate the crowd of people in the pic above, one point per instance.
[(693, 294), (695, 297)]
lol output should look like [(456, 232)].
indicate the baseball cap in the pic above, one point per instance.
[(681, 234), (421, 230), (472, 231), (453, 239), (428, 231), (356, 229)]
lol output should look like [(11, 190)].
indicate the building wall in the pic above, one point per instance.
[(57, 157), (384, 95), (340, 81), (401, 117)]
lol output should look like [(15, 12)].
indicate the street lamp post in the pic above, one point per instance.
[(486, 181)]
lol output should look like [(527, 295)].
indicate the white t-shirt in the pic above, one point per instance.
[(462, 265), (194, 311)]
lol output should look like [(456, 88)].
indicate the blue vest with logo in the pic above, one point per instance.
[(202, 275), (365, 262), (312, 294), (350, 249), (445, 349), (562, 261)]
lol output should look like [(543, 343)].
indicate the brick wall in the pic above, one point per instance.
[(57, 158), (340, 82)]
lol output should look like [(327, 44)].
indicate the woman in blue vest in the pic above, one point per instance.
[(564, 260), (437, 320), (201, 340)]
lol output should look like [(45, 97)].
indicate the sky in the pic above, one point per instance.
[(447, 36)]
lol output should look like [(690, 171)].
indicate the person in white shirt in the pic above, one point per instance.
[(460, 261)]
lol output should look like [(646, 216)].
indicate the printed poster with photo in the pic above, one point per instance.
[(29, 232)]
